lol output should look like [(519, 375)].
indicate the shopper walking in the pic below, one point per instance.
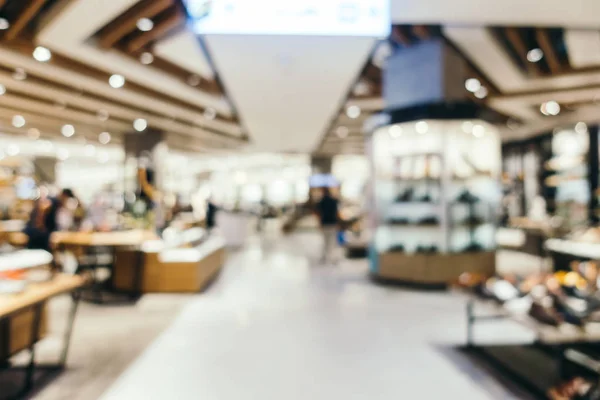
[(328, 211), (47, 217)]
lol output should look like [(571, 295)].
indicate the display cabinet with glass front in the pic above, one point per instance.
[(435, 198)]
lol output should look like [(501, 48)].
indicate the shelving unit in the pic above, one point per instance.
[(433, 198)]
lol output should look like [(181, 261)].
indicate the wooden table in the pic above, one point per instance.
[(89, 242), (21, 317), (8, 228)]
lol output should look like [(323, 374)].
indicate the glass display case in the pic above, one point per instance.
[(435, 199)]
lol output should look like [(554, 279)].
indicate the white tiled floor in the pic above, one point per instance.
[(275, 326)]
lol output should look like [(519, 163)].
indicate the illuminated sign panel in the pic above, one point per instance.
[(370, 18)]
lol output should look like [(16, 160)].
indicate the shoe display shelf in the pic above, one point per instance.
[(434, 197), (565, 349)]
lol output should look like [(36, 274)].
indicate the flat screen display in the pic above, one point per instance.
[(370, 18)]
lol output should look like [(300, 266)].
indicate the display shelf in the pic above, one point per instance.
[(465, 171)]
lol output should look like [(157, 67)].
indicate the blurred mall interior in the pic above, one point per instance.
[(291, 200)]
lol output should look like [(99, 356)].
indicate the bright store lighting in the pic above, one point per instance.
[(104, 138), (472, 85), (4, 24), (1, 155), (103, 157), (145, 24), (481, 93), (33, 133), (2, 90), (421, 127), (12, 150), (353, 112), (194, 80), (42, 54), (550, 108), (62, 154), (146, 58), (89, 150), (140, 124), (103, 115), (116, 81), (210, 113), (67, 130), (535, 55), (581, 128), (342, 132), (18, 121), (467, 127), (478, 130), (20, 74), (395, 131)]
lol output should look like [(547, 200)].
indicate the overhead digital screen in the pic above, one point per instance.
[(370, 18)]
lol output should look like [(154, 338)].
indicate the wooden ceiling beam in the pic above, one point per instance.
[(28, 13), (543, 40), (128, 22), (2, 3), (515, 39), (172, 21)]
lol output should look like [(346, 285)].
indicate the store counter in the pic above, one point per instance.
[(535, 234), (183, 267)]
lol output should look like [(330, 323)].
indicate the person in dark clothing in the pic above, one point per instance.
[(211, 212), (328, 211), (43, 220)]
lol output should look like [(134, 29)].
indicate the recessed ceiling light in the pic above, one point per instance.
[(104, 138), (4, 24), (395, 131), (2, 90), (42, 54), (103, 115), (146, 58), (194, 80), (33, 133), (12, 150), (89, 150), (20, 74), (481, 93), (210, 113), (116, 81), (478, 130), (145, 24), (472, 85), (581, 128), (550, 108), (67, 130), (342, 132), (421, 127), (140, 124), (18, 121), (535, 55), (62, 154), (362, 88), (353, 112)]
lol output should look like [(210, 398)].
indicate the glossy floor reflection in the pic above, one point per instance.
[(278, 326)]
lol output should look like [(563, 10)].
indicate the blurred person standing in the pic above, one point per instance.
[(327, 210), (46, 219)]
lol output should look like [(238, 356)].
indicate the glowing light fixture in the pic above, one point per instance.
[(472, 85), (145, 24), (535, 55), (104, 138), (18, 121), (146, 58), (140, 124), (42, 54), (550, 108), (4, 24), (395, 131), (421, 127), (67, 130), (478, 130), (353, 112), (116, 81)]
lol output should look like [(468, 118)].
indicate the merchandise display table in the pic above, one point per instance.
[(23, 324), (10, 228), (536, 366), (187, 268), (563, 252), (90, 244), (25, 259)]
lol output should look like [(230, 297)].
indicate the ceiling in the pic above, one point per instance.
[(282, 93)]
